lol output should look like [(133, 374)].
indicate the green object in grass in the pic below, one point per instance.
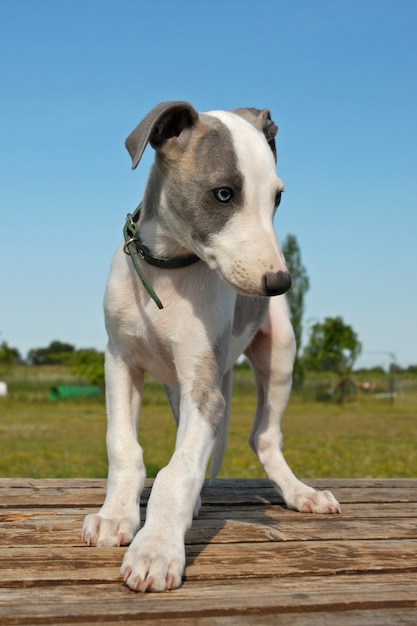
[(73, 391)]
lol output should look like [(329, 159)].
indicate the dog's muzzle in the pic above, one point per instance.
[(276, 283)]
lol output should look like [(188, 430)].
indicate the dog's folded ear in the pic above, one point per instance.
[(165, 121), (261, 119)]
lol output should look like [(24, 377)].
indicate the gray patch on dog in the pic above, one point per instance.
[(173, 395), (166, 120), (248, 312), (209, 163), (152, 197), (209, 373)]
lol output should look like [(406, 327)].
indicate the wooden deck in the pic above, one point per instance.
[(249, 559)]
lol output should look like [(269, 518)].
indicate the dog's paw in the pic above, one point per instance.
[(311, 501), (106, 533), (153, 563)]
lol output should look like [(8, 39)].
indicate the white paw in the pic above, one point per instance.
[(153, 563), (105, 533), (314, 502)]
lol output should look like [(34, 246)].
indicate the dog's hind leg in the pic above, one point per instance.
[(223, 431), (173, 394), (272, 354), (119, 518)]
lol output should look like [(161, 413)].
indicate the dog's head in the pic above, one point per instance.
[(219, 189)]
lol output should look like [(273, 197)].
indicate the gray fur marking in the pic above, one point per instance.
[(248, 312), (209, 163)]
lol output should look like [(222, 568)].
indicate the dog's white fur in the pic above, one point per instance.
[(214, 311)]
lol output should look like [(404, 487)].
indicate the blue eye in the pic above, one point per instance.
[(224, 194)]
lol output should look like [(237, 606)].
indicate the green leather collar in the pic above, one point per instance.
[(134, 247)]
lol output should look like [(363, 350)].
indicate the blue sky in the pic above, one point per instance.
[(340, 78)]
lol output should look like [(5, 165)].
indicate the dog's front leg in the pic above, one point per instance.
[(119, 518), (155, 560)]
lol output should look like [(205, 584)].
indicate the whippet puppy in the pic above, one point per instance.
[(202, 283)]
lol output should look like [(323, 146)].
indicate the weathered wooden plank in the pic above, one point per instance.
[(300, 558), (50, 497), (30, 566), (244, 511), (208, 562), (40, 529), (72, 493), (245, 495), (271, 513), (345, 617), (386, 617), (285, 596), (305, 528), (222, 484)]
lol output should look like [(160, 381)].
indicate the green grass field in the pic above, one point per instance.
[(368, 437)]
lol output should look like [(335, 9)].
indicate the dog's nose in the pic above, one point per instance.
[(277, 283)]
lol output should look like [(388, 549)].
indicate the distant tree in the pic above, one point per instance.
[(57, 353), (376, 370), (295, 297), (88, 364), (8, 357), (333, 346)]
